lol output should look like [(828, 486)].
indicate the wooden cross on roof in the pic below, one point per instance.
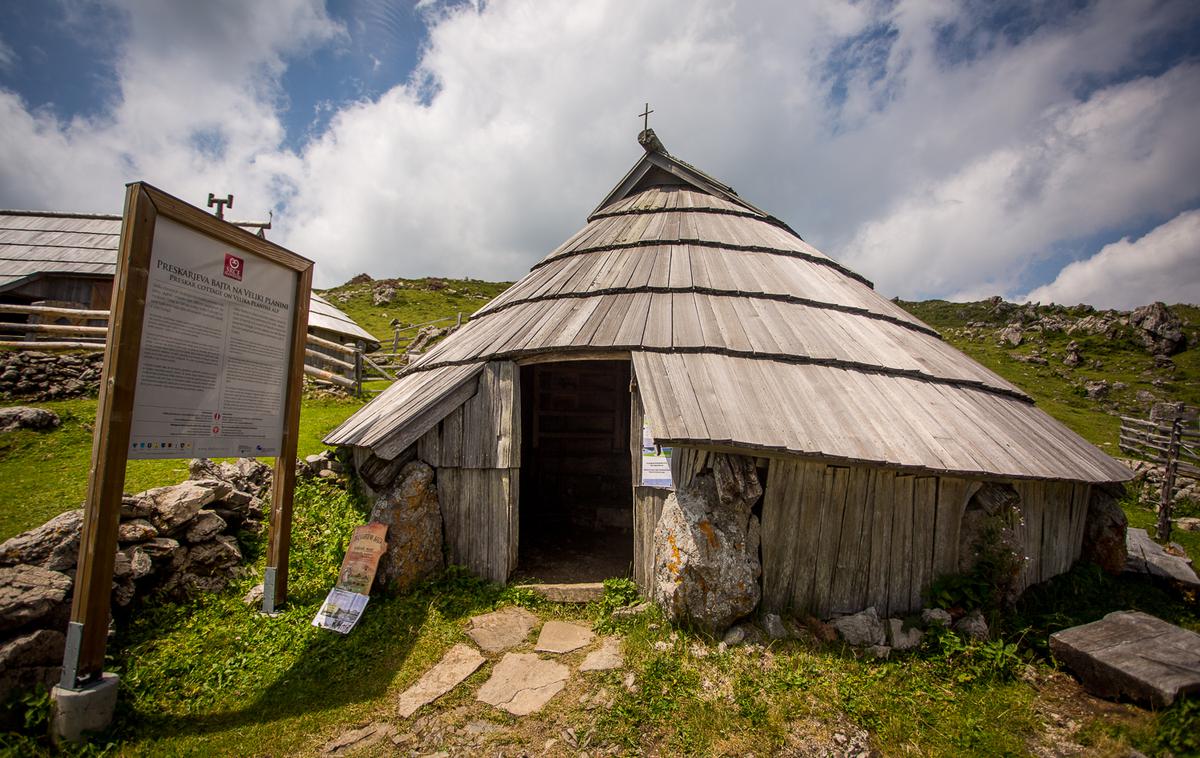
[(646, 117)]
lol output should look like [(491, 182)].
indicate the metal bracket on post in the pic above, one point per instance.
[(268, 606), (70, 668)]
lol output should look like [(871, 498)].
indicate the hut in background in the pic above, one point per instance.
[(683, 314), (70, 260)]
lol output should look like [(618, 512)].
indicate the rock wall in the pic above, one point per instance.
[(30, 375), (172, 541)]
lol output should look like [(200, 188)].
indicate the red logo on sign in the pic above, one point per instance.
[(234, 266)]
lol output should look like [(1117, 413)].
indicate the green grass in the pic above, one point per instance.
[(417, 301), (45, 473)]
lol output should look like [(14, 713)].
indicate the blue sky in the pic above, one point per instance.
[(943, 149)]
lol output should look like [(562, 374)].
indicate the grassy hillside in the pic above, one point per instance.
[(1134, 378), (415, 301)]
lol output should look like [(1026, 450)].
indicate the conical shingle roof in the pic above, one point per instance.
[(743, 335)]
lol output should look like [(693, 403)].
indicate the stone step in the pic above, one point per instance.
[(580, 592)]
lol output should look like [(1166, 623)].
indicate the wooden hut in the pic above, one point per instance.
[(684, 310), (70, 259)]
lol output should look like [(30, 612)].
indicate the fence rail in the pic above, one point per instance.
[(1165, 443)]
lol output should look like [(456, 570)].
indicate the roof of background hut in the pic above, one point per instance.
[(746, 336), (35, 243)]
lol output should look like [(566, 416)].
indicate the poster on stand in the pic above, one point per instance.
[(213, 365)]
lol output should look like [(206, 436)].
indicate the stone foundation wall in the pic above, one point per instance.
[(30, 375)]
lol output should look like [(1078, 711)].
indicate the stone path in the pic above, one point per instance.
[(606, 658), (455, 666), (522, 683), (502, 629), (561, 637), (1134, 655)]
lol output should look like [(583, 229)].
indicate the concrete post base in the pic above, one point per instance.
[(88, 709)]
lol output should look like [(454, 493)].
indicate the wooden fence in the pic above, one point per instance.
[(325, 360), (1170, 445)]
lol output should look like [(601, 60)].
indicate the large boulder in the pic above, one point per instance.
[(1104, 531), (706, 565), (54, 545), (409, 506), (1158, 329), (30, 660), (31, 595), (176, 505), (24, 417)]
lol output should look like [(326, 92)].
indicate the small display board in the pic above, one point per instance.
[(216, 337), (345, 603), (656, 462)]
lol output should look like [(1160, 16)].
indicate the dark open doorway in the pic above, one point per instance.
[(576, 487)]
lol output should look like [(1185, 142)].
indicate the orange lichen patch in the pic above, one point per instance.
[(706, 527)]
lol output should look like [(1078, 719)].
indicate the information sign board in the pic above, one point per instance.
[(213, 365), (656, 462)]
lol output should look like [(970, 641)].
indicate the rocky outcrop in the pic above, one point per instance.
[(1104, 531), (28, 374), (1158, 329), (24, 417), (706, 547), (172, 541), (409, 506)]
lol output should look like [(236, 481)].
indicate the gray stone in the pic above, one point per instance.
[(1133, 655), (735, 635), (409, 507), (359, 739), (502, 629), (576, 592), (879, 652), (88, 709), (24, 417), (522, 683), (562, 637), (54, 545), (1104, 531), (140, 563), (605, 658), (254, 597), (1188, 524), (176, 505), (862, 628), (459, 663), (136, 506), (160, 549), (216, 555), (39, 648), (899, 637), (1012, 334), (1145, 556), (203, 527), (706, 548), (973, 626), (31, 594), (630, 611), (1158, 328), (772, 624), (936, 617), (136, 530)]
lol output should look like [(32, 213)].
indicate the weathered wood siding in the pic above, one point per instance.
[(837, 539), (647, 507), (476, 449)]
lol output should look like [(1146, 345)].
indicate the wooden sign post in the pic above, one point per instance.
[(204, 358)]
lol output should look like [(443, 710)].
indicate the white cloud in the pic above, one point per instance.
[(8, 56), (933, 167), (1164, 264)]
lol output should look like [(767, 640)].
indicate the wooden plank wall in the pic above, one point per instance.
[(837, 539), (647, 507), (476, 449), (1050, 527)]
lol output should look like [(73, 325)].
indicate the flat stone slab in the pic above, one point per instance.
[(1133, 655), (356, 739), (1145, 556), (502, 629), (580, 592), (522, 683), (562, 637), (605, 658), (459, 663)]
